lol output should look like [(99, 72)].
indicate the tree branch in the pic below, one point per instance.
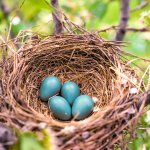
[(125, 13), (57, 17), (145, 29), (142, 5)]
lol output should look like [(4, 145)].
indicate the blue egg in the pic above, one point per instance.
[(82, 107), (50, 86), (60, 108), (70, 91)]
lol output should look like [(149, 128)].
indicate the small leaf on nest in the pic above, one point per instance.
[(42, 125), (133, 90), (95, 99), (96, 109), (123, 81), (68, 129)]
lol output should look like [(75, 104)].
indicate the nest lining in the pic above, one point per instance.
[(89, 61)]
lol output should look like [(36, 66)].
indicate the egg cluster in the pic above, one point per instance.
[(65, 101)]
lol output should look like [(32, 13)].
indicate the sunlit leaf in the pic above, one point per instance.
[(98, 9), (145, 16), (31, 141)]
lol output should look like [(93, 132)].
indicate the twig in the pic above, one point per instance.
[(145, 29), (22, 3), (109, 28), (125, 13), (142, 5), (57, 17)]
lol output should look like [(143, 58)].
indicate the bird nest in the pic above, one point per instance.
[(95, 65)]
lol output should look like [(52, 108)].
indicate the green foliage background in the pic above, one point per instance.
[(32, 141), (35, 15)]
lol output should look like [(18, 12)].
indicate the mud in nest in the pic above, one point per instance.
[(95, 65)]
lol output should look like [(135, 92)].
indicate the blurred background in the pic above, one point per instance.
[(35, 15), (92, 14)]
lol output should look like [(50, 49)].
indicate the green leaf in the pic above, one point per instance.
[(16, 28), (136, 145), (145, 16), (112, 13), (98, 9), (31, 8), (31, 141), (46, 140)]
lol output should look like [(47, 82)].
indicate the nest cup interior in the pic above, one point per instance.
[(73, 58)]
